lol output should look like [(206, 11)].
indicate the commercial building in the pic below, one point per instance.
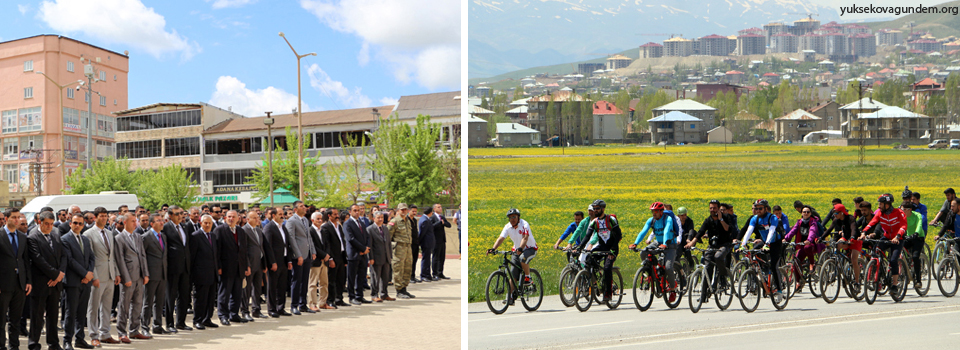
[(651, 50), (678, 47), (39, 118)]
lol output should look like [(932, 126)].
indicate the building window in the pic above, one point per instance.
[(28, 92), (693, 126), (187, 146), (70, 66), (11, 146), (28, 66), (229, 177), (70, 93), (234, 146), (9, 121), (30, 119), (173, 119), (104, 149), (138, 149), (114, 77), (103, 76), (31, 142), (103, 101), (114, 102)]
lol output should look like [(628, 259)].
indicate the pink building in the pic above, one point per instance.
[(33, 121)]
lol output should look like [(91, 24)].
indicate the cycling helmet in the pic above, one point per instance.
[(656, 206), (513, 211), (599, 204), (906, 192), (761, 202), (885, 198), (682, 211)]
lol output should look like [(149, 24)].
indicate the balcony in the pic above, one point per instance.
[(664, 130)]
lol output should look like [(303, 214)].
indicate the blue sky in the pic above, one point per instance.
[(229, 53)]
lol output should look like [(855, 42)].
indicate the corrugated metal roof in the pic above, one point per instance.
[(675, 116), (520, 109), (868, 103), (473, 119), (479, 110), (440, 104), (891, 112), (514, 128), (342, 116), (685, 105), (799, 114)]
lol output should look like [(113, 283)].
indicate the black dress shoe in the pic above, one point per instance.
[(307, 311), (355, 302), (80, 343), (295, 311), (189, 311), (66, 346), (224, 322), (248, 318), (274, 315), (444, 277), (332, 305), (171, 330), (284, 313), (158, 330), (184, 327), (257, 314), (199, 326), (210, 324), (341, 303), (237, 319), (365, 301), (54, 347)]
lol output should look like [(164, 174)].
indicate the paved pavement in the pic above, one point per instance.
[(431, 321), (805, 323)]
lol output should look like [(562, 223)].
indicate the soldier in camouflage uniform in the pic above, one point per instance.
[(402, 256)]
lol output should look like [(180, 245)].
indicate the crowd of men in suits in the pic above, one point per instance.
[(81, 271)]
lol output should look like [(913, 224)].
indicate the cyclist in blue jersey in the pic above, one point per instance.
[(577, 218), (581, 231), (662, 227), (765, 224)]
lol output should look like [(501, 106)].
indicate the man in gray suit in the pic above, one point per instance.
[(132, 263), (301, 245), (381, 254), (155, 250), (106, 277), (259, 262)]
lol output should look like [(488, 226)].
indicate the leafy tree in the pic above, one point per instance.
[(170, 185), (622, 100), (109, 174), (551, 115), (586, 119), (952, 96), (286, 170), (407, 160), (518, 92), (355, 165), (450, 166)]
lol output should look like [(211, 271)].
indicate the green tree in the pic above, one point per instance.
[(355, 164), (952, 96), (169, 185), (551, 117), (622, 101), (107, 175), (518, 92), (286, 170), (408, 161)]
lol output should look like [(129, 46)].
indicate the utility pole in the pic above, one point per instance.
[(269, 123), (90, 73), (862, 147)]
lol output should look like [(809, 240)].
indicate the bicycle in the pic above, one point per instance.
[(704, 283), (650, 281), (940, 249), (749, 284), (948, 270), (873, 282), (498, 285), (587, 288), (926, 272), (837, 271), (807, 275), (567, 277)]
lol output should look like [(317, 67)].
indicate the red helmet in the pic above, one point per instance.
[(656, 206)]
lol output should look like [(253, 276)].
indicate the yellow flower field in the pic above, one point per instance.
[(548, 188)]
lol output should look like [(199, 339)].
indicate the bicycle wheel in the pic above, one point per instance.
[(780, 301), (901, 282), (925, 276), (567, 278), (643, 289), (533, 292), (813, 280), (679, 288), (583, 296), (830, 281), (616, 295), (498, 292), (723, 293), (738, 269), (871, 281), (947, 277), (697, 291), (787, 278), (749, 290)]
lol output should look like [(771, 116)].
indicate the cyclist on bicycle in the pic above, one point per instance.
[(894, 225), (806, 232), (782, 217), (717, 227), (915, 238), (687, 232), (581, 231), (605, 235), (524, 246), (846, 226), (922, 209), (945, 209), (765, 225), (577, 218), (662, 226), (951, 224)]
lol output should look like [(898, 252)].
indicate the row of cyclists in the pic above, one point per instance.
[(673, 234)]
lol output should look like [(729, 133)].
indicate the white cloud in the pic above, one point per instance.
[(219, 4), (126, 22), (344, 97), (23, 9), (419, 39), (386, 101), (231, 92)]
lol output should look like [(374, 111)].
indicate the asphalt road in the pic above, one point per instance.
[(805, 324)]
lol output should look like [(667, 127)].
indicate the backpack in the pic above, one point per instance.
[(676, 222)]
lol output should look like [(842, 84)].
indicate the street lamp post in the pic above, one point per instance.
[(63, 148), (299, 113), (90, 73), (269, 123)]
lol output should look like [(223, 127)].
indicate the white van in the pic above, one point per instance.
[(110, 200)]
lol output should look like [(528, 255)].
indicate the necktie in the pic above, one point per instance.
[(183, 237), (235, 240), (82, 247), (208, 238), (13, 241), (159, 240), (49, 240), (105, 241)]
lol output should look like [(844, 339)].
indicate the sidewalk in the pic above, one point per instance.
[(431, 321)]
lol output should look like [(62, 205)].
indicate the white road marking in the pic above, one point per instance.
[(560, 328)]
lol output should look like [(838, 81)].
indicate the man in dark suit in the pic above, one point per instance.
[(15, 279), (380, 253), (231, 241), (64, 226), (440, 247), (143, 224), (257, 248), (155, 248), (79, 274), (333, 245), (358, 248), (177, 235), (48, 264), (204, 269), (415, 244), (426, 226), (276, 238)]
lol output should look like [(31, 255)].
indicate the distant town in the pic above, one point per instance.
[(801, 82)]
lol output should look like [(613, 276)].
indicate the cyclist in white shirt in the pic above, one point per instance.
[(524, 246)]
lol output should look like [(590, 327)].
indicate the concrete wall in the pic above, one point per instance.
[(514, 140), (477, 134), (607, 127)]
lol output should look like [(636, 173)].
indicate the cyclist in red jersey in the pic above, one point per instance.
[(894, 225)]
